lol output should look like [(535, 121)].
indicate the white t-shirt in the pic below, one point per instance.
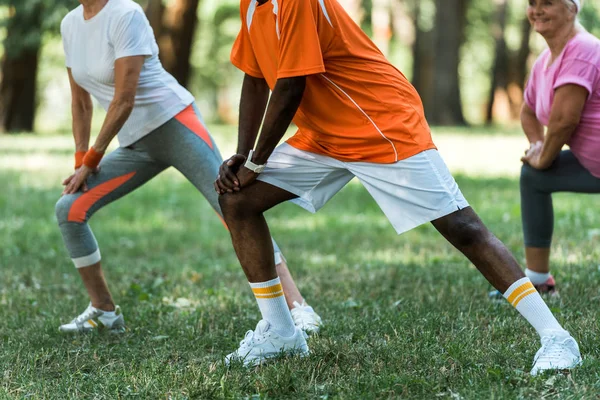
[(121, 29)]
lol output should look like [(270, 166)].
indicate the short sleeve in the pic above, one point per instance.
[(580, 73), (131, 35), (242, 54), (300, 51), (64, 33)]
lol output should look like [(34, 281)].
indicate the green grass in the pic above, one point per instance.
[(405, 317)]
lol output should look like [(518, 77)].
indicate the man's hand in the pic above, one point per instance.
[(246, 177), (227, 180), (78, 181), (533, 156)]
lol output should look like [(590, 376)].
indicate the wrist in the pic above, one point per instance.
[(79, 155), (253, 166), (92, 158)]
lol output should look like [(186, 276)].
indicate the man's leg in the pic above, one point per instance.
[(188, 146), (121, 172), (276, 332), (421, 189), (565, 175), (468, 234)]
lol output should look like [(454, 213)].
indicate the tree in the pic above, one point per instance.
[(436, 60), (174, 28), (26, 22)]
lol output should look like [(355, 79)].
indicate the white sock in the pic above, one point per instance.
[(537, 278), (274, 309), (523, 296)]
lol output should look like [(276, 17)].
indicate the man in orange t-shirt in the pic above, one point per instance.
[(357, 116)]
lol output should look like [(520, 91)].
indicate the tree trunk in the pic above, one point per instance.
[(498, 99), (450, 25), (174, 28), (523, 55), (423, 59), (19, 71)]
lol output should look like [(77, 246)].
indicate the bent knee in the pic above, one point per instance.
[(530, 176), (66, 210), (63, 207), (465, 229), (237, 205)]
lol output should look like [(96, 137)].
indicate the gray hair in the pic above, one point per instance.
[(570, 4)]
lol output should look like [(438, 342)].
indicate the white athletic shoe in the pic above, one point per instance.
[(306, 318), (93, 318), (262, 344), (556, 354)]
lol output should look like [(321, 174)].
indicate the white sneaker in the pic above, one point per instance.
[(306, 318), (263, 343), (556, 354), (93, 318)]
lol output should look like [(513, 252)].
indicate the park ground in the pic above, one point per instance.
[(405, 317)]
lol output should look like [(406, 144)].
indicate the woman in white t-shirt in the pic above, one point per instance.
[(111, 54)]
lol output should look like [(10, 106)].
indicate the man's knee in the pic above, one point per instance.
[(237, 206), (464, 228)]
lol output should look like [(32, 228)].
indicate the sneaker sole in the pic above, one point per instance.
[(266, 360)]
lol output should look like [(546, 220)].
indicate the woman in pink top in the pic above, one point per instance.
[(563, 95)]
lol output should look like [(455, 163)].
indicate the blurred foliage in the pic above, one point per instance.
[(26, 27), (215, 80)]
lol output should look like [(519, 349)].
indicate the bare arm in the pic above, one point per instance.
[(569, 101), (81, 110), (533, 129), (127, 74), (283, 105), (255, 94)]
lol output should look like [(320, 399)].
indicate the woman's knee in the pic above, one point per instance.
[(62, 208), (529, 175)]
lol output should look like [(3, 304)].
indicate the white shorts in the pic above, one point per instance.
[(410, 192)]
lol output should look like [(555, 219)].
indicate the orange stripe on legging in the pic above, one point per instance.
[(81, 206), (190, 120)]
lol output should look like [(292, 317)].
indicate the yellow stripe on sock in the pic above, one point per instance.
[(268, 290), (524, 287), (269, 296), (525, 294)]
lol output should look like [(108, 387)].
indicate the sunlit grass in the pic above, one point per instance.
[(405, 316)]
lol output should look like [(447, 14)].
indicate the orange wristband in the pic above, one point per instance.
[(92, 158), (79, 158)]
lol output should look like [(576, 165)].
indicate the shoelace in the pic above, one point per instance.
[(550, 350), (248, 340), (84, 316)]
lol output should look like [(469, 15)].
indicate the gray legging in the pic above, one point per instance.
[(183, 143), (565, 175)]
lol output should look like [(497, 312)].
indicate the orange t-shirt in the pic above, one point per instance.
[(356, 105)]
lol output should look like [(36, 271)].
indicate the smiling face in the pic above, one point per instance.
[(548, 17)]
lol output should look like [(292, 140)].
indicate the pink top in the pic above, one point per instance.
[(579, 64)]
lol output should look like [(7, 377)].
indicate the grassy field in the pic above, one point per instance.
[(405, 317)]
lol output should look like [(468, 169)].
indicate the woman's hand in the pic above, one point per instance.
[(532, 156), (78, 181)]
